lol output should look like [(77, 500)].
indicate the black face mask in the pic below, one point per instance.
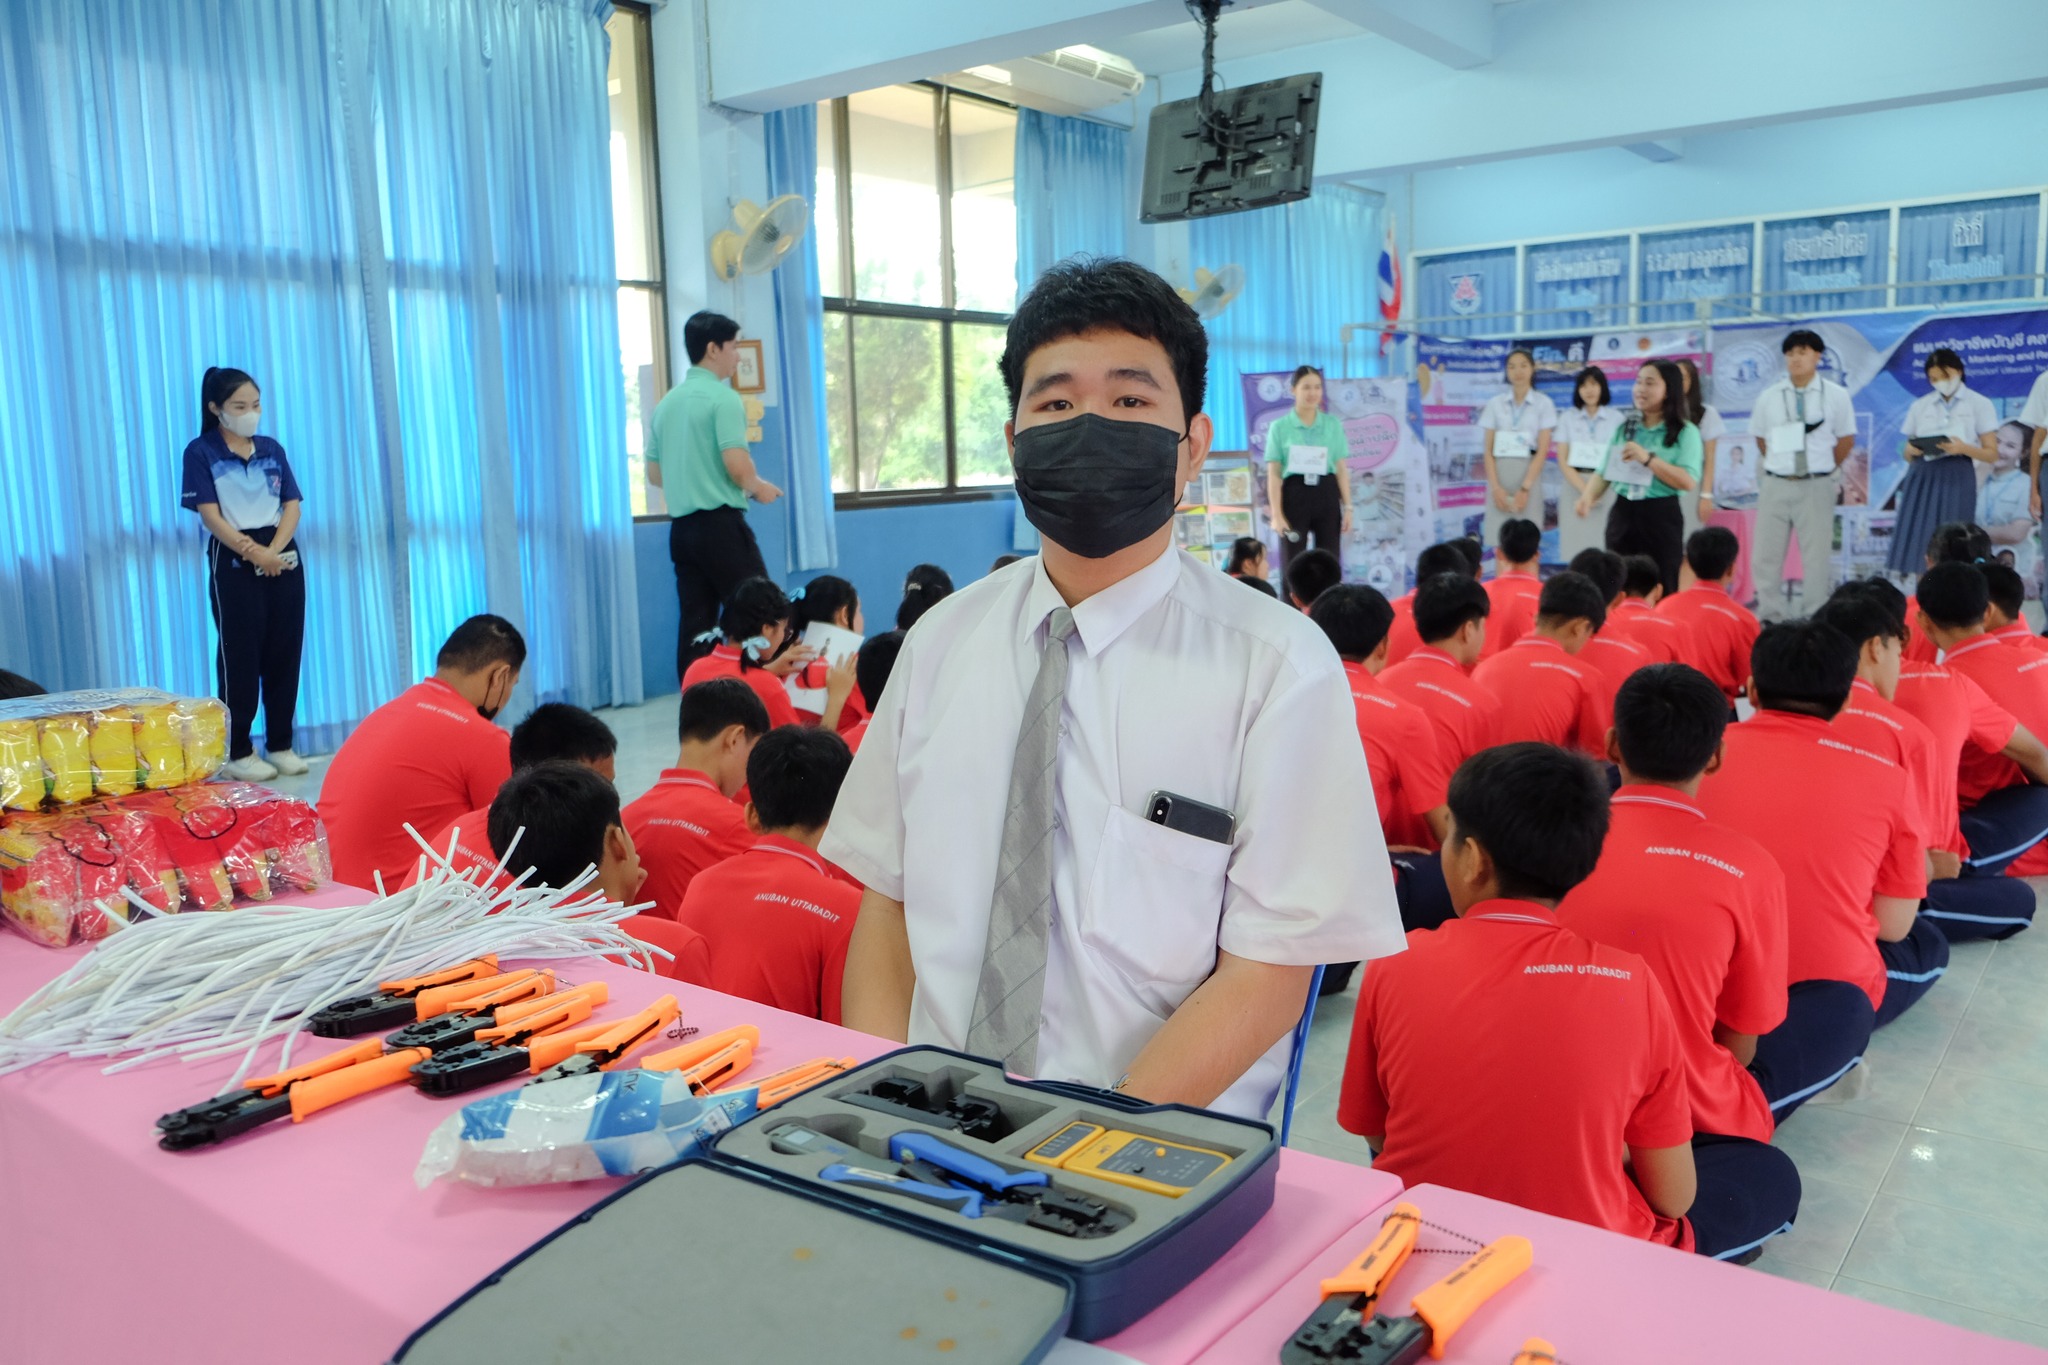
[(1094, 485)]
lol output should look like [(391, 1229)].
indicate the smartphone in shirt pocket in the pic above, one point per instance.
[(1155, 906)]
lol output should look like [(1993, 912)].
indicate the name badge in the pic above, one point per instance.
[(1310, 462), (1512, 445), (1587, 455), (1626, 473), (1786, 440)]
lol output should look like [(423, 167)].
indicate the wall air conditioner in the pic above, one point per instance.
[(1073, 80)]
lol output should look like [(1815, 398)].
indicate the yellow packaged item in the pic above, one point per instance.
[(113, 752), (64, 748), (206, 738), (67, 758), (21, 765), (162, 747)]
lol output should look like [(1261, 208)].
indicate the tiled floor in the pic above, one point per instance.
[(1928, 1192)]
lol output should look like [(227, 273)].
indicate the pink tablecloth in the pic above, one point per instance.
[(1599, 1297)]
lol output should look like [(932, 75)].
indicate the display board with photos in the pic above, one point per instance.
[(1217, 508)]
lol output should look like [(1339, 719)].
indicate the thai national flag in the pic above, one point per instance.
[(1390, 284)]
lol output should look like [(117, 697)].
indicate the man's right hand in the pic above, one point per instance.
[(763, 492)]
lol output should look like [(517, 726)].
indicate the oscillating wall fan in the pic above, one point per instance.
[(759, 237)]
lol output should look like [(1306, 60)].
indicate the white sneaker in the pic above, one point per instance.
[(250, 769), (288, 763)]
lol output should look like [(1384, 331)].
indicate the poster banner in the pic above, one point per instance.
[(1391, 518)]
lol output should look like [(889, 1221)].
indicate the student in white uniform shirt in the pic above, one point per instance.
[(1518, 426), (1699, 508), (1584, 431), (1804, 428), (1947, 432), (1025, 898)]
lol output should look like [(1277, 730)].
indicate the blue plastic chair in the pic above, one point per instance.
[(1308, 1016)]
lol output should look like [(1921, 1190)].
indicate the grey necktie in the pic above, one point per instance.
[(1006, 1005)]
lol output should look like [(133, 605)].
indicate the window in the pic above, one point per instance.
[(636, 228), (917, 254)]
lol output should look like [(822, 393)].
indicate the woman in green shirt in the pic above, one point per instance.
[(1654, 457), (1308, 490)]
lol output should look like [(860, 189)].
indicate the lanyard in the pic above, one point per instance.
[(1819, 386), (1515, 410)]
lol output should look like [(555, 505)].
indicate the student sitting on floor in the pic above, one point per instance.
[(757, 648), (1953, 542), (924, 587), (1312, 573), (832, 601), (1719, 630), (1409, 775), (1450, 615), (1664, 639), (871, 670), (1612, 652), (553, 731), (1840, 821), (688, 821), (567, 819), (2003, 619), (1581, 1060), (1514, 586), (1546, 693), (774, 917), (1402, 637), (423, 758), (2004, 816)]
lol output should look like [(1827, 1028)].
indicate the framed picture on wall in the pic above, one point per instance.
[(751, 376)]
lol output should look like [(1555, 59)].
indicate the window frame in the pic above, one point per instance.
[(947, 316), (641, 13)]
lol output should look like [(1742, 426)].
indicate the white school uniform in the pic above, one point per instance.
[(1822, 401), (1712, 428), (1968, 417), (2035, 413), (1179, 681), (1531, 417), (1575, 429)]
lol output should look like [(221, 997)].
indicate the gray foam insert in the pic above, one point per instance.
[(699, 1265), (1040, 1116)]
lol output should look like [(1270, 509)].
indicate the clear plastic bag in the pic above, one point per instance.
[(67, 748), (582, 1128), (63, 872)]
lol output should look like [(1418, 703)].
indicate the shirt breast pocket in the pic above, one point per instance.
[(1155, 907)]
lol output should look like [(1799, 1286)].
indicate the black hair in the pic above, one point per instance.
[(1260, 585), (704, 329), (1521, 540), (1604, 567), (1953, 595), (1243, 551), (1088, 293), (480, 642), (2008, 591), (874, 663), (1861, 617), (1942, 358), (1522, 351), (556, 730), (1445, 557), (1569, 597), (923, 586), (1445, 602), (1640, 575), (1673, 418), (216, 388), (1804, 336), (1578, 380), (1668, 720), (1803, 666), (1004, 562), (1959, 542), (1695, 391), (1475, 554), (1313, 573), (1881, 590), (13, 685), (822, 599), (1302, 372), (566, 809), (793, 776), (754, 605), (1355, 617), (1712, 552), (1539, 810), (711, 708)]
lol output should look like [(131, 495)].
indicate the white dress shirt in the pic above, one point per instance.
[(1531, 417), (1712, 428), (2035, 413), (1179, 681), (1822, 401), (1594, 433), (1968, 417)]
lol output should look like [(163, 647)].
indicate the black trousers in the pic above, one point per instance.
[(1827, 1026), (1420, 892), (1748, 1194), (714, 552), (1317, 516), (1911, 967), (262, 626), (1653, 527)]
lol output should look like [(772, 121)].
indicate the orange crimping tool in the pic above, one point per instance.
[(299, 1093), (392, 1003), (532, 1045)]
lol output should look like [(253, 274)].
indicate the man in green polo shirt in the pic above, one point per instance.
[(697, 456)]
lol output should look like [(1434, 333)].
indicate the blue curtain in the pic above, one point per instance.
[(792, 136), (395, 214), (1310, 267)]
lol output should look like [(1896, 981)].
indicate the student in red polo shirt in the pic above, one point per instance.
[(1578, 1030), (1402, 637), (1450, 614), (832, 601), (1642, 587), (1514, 586), (1546, 694), (1840, 821), (1409, 775), (1613, 651), (871, 670), (1701, 903), (688, 821), (1721, 629), (2002, 620), (756, 647), (424, 757), (553, 731), (775, 920), (1310, 575), (1953, 542)]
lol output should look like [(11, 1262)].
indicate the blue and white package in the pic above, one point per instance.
[(581, 1128)]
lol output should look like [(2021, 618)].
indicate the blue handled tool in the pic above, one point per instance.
[(913, 1146), (934, 1171), (966, 1203)]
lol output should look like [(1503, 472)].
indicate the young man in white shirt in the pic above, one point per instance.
[(1027, 896), (1804, 428)]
